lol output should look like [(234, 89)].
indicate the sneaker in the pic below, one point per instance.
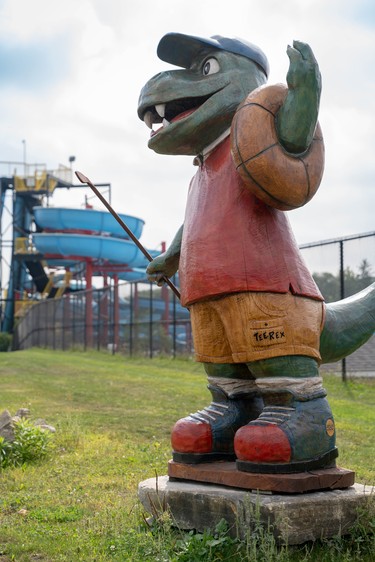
[(296, 436), (208, 434)]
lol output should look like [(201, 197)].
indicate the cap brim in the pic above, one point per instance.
[(181, 50)]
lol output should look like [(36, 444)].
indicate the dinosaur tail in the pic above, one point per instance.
[(348, 325)]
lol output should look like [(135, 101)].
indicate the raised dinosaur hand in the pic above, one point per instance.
[(166, 264), (298, 116)]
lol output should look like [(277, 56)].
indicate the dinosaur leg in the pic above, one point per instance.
[(295, 431), (208, 434)]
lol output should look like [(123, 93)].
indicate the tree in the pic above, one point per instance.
[(329, 284)]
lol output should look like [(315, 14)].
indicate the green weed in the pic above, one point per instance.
[(31, 443), (208, 546)]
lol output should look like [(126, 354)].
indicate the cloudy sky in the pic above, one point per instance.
[(72, 71)]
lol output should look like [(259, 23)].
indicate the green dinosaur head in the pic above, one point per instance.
[(194, 106)]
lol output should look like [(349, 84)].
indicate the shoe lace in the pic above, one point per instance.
[(275, 414), (210, 413)]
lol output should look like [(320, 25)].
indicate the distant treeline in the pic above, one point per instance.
[(330, 285)]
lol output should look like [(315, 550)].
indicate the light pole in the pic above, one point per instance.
[(71, 160), (24, 156)]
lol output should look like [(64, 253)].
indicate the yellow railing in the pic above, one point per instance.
[(24, 245), (60, 290), (48, 287), (39, 182), (22, 306)]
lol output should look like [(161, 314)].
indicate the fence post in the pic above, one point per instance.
[(89, 305), (73, 319), (116, 314), (45, 322), (151, 325), (174, 322), (98, 318), (131, 320), (66, 305), (54, 325), (35, 341), (342, 296), (104, 313), (136, 317)]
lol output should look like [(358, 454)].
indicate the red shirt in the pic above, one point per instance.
[(232, 242)]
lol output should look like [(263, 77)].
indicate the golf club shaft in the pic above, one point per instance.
[(84, 179)]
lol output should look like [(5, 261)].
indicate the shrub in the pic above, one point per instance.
[(31, 443), (5, 340)]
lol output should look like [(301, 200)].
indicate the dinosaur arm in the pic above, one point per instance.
[(166, 265), (298, 116)]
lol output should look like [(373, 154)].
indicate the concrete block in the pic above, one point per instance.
[(294, 518)]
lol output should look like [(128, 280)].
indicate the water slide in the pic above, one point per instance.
[(71, 235), (75, 238)]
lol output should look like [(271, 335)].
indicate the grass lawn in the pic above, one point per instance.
[(113, 417)]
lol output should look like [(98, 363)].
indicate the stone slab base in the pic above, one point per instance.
[(294, 518), (226, 473)]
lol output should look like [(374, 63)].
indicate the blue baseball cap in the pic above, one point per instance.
[(181, 50)]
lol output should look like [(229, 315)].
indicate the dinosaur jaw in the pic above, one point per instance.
[(165, 122), (174, 120), (187, 126)]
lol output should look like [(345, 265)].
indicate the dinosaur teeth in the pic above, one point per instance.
[(165, 123), (160, 108), (147, 118)]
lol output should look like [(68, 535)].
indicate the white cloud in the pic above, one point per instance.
[(111, 52)]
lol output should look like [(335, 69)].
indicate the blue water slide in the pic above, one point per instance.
[(62, 218), (73, 234), (136, 274), (114, 250)]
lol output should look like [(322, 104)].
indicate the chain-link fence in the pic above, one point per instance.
[(141, 319), (129, 318), (341, 268)]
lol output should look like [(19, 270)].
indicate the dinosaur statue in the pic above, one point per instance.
[(260, 325)]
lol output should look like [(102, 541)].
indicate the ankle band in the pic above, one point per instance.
[(302, 388), (234, 387)]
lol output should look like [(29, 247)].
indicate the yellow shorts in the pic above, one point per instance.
[(245, 327)]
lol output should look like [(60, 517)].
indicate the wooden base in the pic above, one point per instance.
[(226, 474)]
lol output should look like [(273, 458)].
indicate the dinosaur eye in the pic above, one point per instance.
[(211, 66)]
